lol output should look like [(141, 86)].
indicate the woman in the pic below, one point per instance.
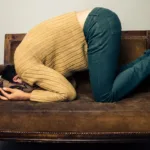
[(57, 47)]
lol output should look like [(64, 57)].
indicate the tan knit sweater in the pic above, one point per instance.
[(49, 53)]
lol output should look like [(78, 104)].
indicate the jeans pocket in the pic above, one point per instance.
[(114, 23)]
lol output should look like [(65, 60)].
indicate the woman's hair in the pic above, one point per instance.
[(6, 80), (8, 73)]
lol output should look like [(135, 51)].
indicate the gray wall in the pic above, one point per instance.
[(18, 16)]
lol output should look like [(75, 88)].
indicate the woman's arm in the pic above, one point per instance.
[(55, 87), (14, 94)]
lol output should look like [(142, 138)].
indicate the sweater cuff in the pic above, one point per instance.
[(35, 96)]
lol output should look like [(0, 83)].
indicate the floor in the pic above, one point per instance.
[(46, 146)]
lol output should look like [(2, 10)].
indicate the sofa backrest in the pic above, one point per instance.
[(133, 44)]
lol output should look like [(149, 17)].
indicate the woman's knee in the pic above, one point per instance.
[(106, 98)]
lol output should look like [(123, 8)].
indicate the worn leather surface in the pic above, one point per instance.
[(84, 114)]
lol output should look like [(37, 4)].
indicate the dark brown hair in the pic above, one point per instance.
[(8, 73)]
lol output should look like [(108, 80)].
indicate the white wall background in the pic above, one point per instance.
[(18, 16)]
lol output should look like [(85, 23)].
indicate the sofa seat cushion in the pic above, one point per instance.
[(129, 115)]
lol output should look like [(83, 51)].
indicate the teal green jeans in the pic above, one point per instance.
[(110, 83)]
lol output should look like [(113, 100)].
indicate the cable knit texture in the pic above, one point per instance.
[(50, 52)]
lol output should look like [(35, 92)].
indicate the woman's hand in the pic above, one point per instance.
[(14, 94)]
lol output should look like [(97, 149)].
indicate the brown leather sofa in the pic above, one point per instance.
[(82, 120)]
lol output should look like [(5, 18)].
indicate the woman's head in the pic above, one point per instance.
[(9, 78), (9, 74)]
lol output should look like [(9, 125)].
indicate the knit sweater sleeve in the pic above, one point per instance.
[(55, 87)]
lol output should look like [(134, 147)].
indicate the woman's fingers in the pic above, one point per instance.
[(3, 98), (8, 89), (4, 93)]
